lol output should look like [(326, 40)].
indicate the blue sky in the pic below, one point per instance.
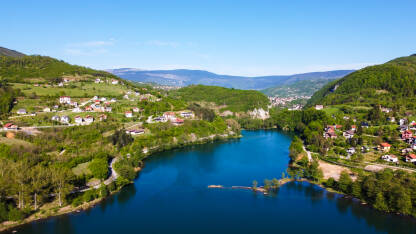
[(226, 37)]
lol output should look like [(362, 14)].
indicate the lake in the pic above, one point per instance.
[(171, 196)]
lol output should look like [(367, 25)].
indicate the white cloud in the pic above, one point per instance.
[(89, 48)]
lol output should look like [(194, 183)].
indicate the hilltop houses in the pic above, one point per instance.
[(114, 82), (21, 111), (390, 158), (128, 114), (78, 119), (102, 117), (169, 115), (64, 119), (385, 147), (89, 119), (65, 100), (177, 121), (410, 158), (407, 134), (319, 107), (187, 114), (10, 126), (136, 109)]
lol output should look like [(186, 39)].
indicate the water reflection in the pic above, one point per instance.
[(382, 222)]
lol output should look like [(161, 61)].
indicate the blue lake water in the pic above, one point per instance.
[(171, 196)]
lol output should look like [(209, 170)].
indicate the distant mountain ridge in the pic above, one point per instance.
[(10, 53), (184, 77)]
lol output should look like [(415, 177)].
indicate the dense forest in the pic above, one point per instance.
[(392, 83), (235, 100), (7, 96), (16, 69)]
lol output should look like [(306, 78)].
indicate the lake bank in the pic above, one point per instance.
[(172, 190)]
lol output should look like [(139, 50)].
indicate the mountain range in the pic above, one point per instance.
[(184, 77), (10, 53)]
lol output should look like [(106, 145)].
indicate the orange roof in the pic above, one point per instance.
[(412, 156), (384, 144)]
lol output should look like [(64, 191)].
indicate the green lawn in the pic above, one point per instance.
[(81, 169)]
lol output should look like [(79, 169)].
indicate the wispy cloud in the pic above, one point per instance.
[(89, 48), (163, 43)]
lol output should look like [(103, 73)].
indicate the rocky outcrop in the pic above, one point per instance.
[(259, 114)]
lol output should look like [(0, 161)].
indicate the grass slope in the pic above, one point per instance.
[(235, 100)]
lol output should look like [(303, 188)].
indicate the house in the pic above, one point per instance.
[(128, 114), (88, 108), (103, 99), (351, 151), (353, 128), (77, 110), (74, 104), (385, 147), (113, 100), (78, 119), (21, 111), (407, 134), (402, 122), (411, 158), (348, 134), (95, 98), (46, 109), (10, 126), (319, 107), (56, 118), (364, 124), (406, 151), (187, 114), (177, 121), (114, 82), (89, 119), (108, 109), (170, 115), (365, 149), (98, 80), (136, 109), (338, 126), (391, 119), (160, 119), (65, 100), (60, 84), (330, 135), (126, 96), (135, 132), (390, 158), (64, 119), (102, 117)]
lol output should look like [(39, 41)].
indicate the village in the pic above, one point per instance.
[(75, 111), (370, 147)]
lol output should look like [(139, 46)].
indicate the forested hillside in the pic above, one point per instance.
[(235, 100), (18, 69), (7, 96), (389, 84)]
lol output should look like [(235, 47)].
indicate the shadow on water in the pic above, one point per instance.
[(381, 221)]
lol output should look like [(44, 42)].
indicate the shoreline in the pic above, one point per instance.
[(68, 209)]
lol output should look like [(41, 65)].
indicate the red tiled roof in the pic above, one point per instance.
[(8, 125), (384, 144), (412, 156)]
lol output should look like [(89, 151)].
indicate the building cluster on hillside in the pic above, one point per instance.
[(172, 117), (285, 101)]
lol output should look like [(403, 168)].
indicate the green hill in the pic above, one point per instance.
[(230, 99), (392, 84), (10, 53), (43, 69)]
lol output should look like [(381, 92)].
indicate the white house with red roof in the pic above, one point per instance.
[(89, 119), (411, 158), (78, 119), (385, 147), (170, 115), (128, 114), (390, 158)]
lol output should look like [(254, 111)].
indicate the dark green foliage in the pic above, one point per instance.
[(201, 112), (389, 84), (18, 68), (90, 195), (235, 100), (99, 168), (7, 97), (121, 138), (295, 148)]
